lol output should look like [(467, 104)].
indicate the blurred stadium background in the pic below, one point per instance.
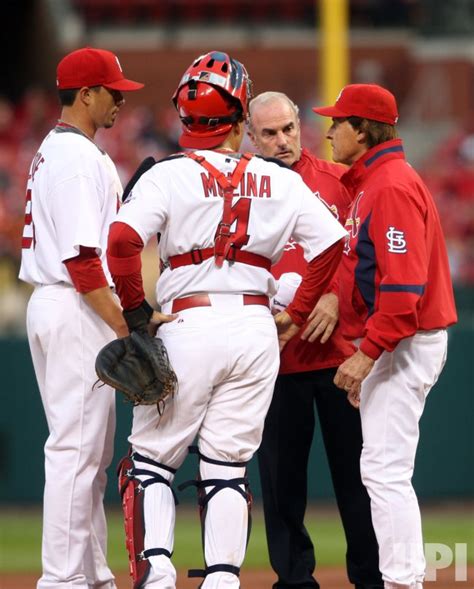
[(422, 50)]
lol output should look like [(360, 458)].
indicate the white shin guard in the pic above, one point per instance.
[(225, 504)]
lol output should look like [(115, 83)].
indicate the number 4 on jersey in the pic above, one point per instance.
[(239, 220), (28, 239)]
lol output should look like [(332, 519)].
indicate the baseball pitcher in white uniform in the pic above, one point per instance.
[(72, 196), (223, 219)]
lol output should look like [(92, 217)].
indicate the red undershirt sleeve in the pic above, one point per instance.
[(86, 270), (344, 202), (124, 261), (315, 282)]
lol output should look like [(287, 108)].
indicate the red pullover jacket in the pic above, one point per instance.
[(394, 277), (298, 355)]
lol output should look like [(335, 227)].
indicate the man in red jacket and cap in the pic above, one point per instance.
[(396, 304)]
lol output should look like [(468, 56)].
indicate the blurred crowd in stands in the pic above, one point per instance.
[(141, 131), (449, 174), (363, 13)]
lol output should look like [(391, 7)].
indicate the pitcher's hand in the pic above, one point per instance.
[(285, 327), (158, 319)]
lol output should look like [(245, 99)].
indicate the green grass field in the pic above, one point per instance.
[(20, 537)]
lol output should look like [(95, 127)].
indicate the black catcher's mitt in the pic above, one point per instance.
[(139, 367)]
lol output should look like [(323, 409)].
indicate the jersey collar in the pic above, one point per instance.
[(62, 127), (371, 160)]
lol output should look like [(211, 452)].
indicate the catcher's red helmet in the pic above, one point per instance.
[(212, 95)]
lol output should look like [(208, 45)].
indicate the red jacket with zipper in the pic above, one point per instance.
[(394, 277)]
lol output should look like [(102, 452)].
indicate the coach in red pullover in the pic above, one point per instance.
[(396, 301), (308, 364)]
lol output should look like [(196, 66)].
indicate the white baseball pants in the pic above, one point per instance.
[(392, 402), (226, 358), (65, 335)]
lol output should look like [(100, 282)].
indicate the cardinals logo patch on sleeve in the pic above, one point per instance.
[(396, 241)]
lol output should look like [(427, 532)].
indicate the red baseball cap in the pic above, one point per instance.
[(92, 67), (368, 101)]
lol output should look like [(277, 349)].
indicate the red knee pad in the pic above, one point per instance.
[(132, 496)]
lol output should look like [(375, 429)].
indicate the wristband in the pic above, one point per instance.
[(137, 319)]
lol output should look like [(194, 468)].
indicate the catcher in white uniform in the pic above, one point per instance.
[(72, 196), (223, 219)]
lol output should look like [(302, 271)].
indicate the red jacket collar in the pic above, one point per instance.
[(371, 160), (301, 161)]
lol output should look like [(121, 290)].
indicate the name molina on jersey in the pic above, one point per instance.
[(249, 185)]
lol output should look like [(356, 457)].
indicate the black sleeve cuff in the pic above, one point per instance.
[(137, 319)]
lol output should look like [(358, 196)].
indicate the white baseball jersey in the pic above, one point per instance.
[(72, 197), (181, 201)]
